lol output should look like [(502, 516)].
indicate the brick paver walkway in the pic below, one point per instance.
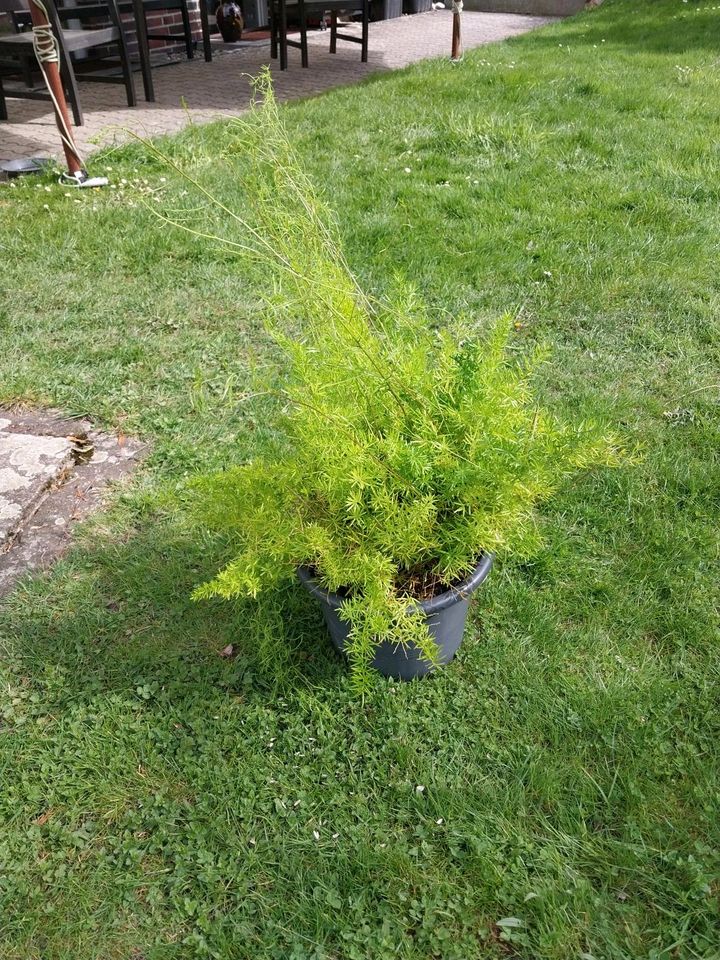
[(199, 91)]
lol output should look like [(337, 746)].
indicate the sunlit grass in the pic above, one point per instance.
[(161, 801)]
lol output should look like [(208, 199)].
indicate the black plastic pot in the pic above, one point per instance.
[(445, 616)]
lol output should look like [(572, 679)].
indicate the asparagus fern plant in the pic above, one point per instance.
[(407, 449)]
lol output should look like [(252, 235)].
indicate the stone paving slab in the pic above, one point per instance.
[(29, 465), (196, 91), (54, 472)]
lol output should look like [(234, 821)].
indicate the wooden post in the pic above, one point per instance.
[(457, 48), (48, 57)]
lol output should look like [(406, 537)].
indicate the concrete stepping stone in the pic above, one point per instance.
[(29, 465), (53, 473)]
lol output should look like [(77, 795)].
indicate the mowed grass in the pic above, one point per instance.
[(554, 793)]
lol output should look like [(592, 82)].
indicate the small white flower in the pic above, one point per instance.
[(408, 170), (316, 834), (419, 788), (439, 821)]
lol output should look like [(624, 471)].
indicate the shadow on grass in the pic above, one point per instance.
[(119, 616)]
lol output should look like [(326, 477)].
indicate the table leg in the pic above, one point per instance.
[(205, 25), (143, 50)]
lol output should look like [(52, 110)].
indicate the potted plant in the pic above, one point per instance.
[(405, 455)]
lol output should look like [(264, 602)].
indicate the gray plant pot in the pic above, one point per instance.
[(445, 616)]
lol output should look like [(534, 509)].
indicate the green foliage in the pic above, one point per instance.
[(404, 448)]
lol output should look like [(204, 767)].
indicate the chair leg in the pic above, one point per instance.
[(27, 68), (303, 34), (333, 31), (272, 16), (124, 54), (189, 44), (283, 35), (205, 27), (143, 50), (365, 30), (74, 97), (3, 104), (127, 72), (67, 75)]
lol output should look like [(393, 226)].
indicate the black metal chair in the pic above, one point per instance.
[(170, 6), (278, 11), (17, 55)]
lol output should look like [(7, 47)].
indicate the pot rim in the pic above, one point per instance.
[(455, 594)]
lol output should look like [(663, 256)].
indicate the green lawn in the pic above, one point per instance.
[(159, 801)]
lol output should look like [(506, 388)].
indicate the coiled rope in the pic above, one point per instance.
[(47, 51)]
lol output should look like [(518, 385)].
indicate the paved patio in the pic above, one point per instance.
[(198, 91)]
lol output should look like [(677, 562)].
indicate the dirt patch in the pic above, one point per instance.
[(54, 472)]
